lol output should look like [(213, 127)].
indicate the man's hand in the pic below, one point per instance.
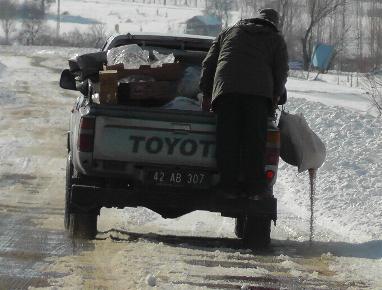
[(275, 101)]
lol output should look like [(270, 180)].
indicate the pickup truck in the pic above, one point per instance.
[(128, 156)]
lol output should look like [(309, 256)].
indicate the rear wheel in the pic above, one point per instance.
[(79, 225), (257, 232)]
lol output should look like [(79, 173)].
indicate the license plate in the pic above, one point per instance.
[(181, 178)]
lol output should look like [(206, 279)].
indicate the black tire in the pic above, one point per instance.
[(239, 226), (83, 226), (257, 232), (78, 225), (68, 186)]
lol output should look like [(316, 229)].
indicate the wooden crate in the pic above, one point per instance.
[(108, 87)]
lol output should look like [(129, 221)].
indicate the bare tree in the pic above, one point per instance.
[(359, 34), (221, 9), (317, 10), (8, 11), (373, 87), (284, 8), (339, 37), (95, 37), (248, 8), (45, 4), (375, 29), (97, 34), (32, 22)]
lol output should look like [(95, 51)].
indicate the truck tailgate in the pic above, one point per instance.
[(153, 141)]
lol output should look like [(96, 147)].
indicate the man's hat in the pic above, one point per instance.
[(270, 15)]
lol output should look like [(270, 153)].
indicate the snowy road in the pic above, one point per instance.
[(136, 247)]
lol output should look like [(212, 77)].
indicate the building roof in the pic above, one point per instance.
[(208, 20)]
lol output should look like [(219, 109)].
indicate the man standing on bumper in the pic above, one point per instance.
[(243, 78)]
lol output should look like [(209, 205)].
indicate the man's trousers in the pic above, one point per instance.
[(241, 142)]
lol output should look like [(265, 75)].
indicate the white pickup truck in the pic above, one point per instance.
[(125, 156)]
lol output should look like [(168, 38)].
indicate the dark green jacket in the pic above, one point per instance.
[(248, 58)]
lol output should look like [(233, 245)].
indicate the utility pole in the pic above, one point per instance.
[(43, 6), (58, 19)]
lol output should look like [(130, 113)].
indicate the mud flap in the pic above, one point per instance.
[(82, 200)]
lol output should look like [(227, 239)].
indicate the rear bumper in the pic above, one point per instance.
[(170, 204)]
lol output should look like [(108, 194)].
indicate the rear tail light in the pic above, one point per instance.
[(87, 123), (270, 175), (86, 134)]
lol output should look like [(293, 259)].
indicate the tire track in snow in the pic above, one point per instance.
[(180, 262)]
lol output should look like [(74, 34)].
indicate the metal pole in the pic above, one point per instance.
[(58, 19), (357, 79)]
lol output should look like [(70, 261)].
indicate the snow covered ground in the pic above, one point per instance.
[(185, 252), (136, 247), (130, 17)]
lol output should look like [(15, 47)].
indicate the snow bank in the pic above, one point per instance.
[(349, 186), (349, 269), (329, 93)]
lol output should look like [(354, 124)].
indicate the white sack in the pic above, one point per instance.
[(189, 84), (300, 146)]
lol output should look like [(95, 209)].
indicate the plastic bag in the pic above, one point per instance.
[(132, 56), (182, 103), (300, 146), (162, 58), (189, 84)]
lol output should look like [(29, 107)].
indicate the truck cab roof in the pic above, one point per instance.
[(181, 41)]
